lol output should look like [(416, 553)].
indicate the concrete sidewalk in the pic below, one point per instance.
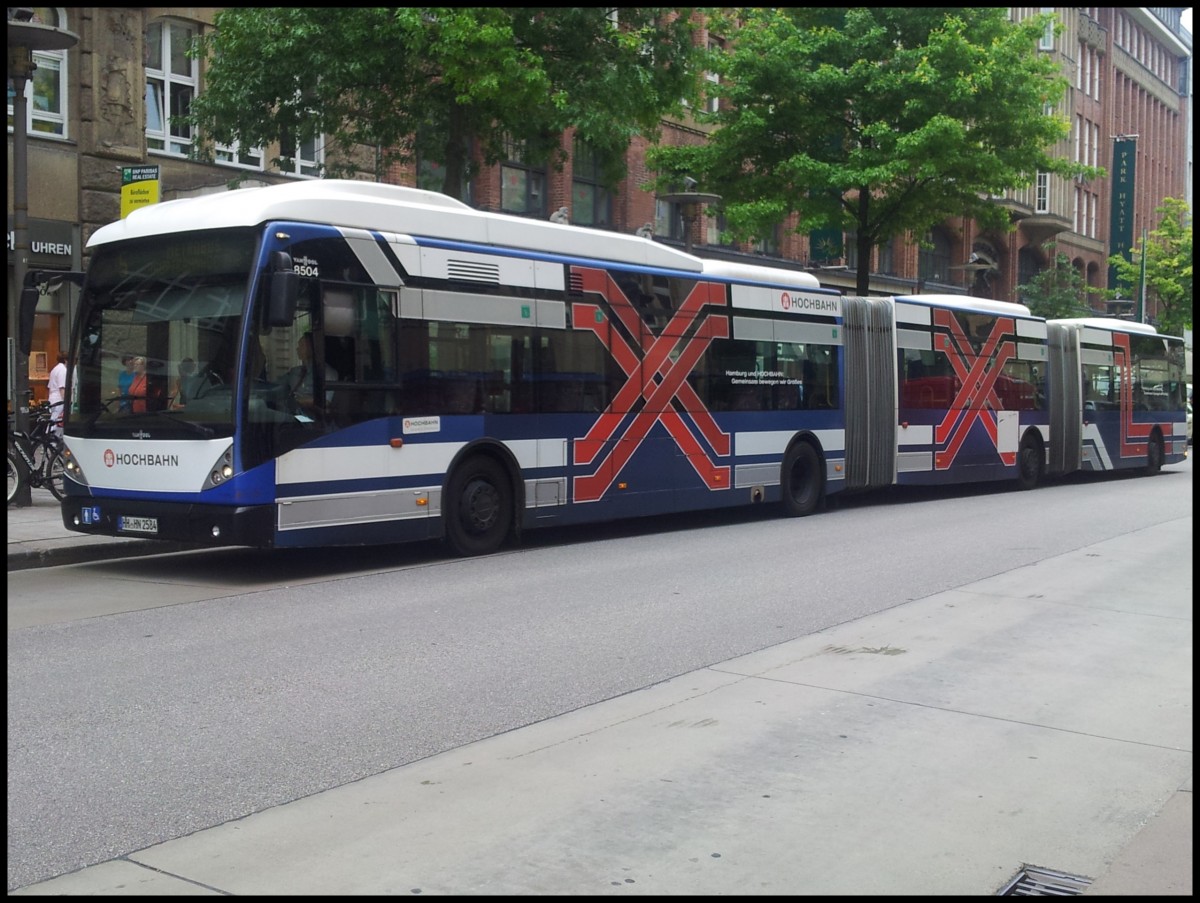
[(371, 836)]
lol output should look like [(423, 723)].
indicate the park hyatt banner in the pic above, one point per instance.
[(1120, 229)]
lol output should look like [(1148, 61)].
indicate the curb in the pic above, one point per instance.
[(26, 559)]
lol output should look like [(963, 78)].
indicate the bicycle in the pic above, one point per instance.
[(36, 456)]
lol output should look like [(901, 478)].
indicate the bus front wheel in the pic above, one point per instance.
[(479, 507), (802, 480)]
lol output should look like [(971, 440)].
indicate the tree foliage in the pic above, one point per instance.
[(1057, 291), (431, 82), (880, 120), (1168, 253)]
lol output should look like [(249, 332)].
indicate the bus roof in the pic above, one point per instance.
[(390, 209), (1113, 323), (969, 302), (750, 272)]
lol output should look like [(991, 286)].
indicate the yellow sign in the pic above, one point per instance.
[(139, 188)]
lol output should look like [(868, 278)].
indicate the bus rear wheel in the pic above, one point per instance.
[(802, 480), (1029, 463), (479, 507), (1154, 456)]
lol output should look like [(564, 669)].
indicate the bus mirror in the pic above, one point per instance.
[(283, 291)]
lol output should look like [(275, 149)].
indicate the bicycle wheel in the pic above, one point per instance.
[(56, 473), (14, 475)]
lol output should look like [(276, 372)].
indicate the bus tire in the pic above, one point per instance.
[(802, 480), (1030, 462), (479, 507), (1154, 455)]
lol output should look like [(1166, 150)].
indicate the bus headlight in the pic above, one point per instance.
[(221, 470), (71, 468)]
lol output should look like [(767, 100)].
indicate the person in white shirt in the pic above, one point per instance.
[(57, 390)]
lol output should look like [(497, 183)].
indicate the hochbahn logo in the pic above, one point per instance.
[(814, 303), (667, 358)]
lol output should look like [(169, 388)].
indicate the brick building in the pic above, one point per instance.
[(104, 105)]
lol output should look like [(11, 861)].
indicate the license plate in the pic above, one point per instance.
[(137, 524)]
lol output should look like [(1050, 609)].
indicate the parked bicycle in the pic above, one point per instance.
[(36, 456)]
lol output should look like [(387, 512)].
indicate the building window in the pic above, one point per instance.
[(431, 176), (712, 103), (1042, 203), (591, 204), (933, 258), (668, 220), (851, 246), (887, 264), (234, 155), (171, 79), (522, 184), (1047, 39), (305, 158), (768, 245), (46, 88)]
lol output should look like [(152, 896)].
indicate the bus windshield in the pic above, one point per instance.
[(160, 325)]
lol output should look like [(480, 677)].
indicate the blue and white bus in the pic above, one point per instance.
[(342, 363)]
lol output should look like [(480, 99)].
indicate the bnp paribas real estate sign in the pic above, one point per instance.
[(139, 188)]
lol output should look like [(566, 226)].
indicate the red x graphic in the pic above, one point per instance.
[(977, 385), (667, 381), (1134, 436)]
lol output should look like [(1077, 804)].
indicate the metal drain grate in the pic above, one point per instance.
[(1032, 881)]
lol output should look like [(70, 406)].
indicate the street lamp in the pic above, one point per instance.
[(24, 37), (690, 202)]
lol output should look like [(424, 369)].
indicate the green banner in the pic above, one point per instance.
[(1120, 227)]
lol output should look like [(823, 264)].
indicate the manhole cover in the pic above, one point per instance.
[(1032, 881)]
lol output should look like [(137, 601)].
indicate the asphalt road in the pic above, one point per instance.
[(151, 699)]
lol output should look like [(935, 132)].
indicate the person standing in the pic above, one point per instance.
[(57, 392), (124, 379), (137, 388), (184, 384)]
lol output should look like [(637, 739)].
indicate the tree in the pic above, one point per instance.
[(430, 82), (1057, 291), (1168, 253), (882, 121)]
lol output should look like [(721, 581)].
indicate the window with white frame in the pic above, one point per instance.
[(171, 80), (668, 219), (1047, 40), (1042, 201), (305, 157), (712, 103), (236, 155), (46, 89)]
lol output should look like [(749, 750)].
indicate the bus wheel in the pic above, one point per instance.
[(479, 507), (802, 479), (1029, 463), (1154, 456)]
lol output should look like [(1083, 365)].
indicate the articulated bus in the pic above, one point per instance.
[(344, 363)]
